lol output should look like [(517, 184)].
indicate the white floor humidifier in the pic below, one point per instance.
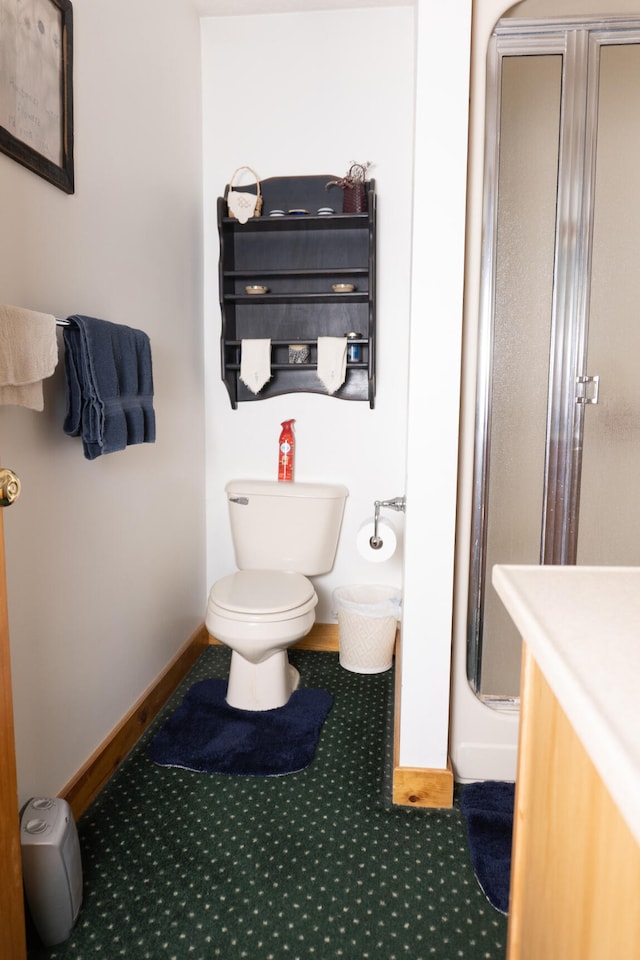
[(51, 867)]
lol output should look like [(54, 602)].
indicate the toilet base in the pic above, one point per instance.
[(261, 686)]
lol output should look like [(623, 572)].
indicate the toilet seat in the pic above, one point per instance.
[(262, 595)]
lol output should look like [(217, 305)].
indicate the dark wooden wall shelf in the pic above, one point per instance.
[(299, 258)]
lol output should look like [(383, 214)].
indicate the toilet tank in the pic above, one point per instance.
[(285, 526)]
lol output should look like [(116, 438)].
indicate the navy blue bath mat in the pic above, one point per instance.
[(487, 807), (205, 734)]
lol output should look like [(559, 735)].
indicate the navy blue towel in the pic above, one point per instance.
[(109, 385)]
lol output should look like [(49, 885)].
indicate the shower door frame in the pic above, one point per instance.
[(579, 42)]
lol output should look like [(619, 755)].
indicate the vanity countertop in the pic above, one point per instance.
[(582, 626)]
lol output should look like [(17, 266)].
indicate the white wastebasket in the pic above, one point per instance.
[(367, 621)]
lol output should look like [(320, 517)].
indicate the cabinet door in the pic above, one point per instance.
[(575, 872)]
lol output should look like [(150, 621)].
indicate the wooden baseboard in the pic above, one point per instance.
[(104, 762), (322, 637), (422, 787), (417, 786)]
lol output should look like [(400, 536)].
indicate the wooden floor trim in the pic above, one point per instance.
[(423, 787), (322, 637), (100, 767), (416, 786)]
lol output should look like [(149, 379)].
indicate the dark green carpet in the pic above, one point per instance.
[(313, 865)]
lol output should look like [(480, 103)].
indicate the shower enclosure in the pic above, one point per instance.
[(551, 403), (558, 397)]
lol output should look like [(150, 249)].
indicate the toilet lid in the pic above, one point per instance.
[(261, 591)]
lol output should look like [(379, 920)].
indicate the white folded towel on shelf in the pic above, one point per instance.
[(28, 354), (255, 363), (332, 362)]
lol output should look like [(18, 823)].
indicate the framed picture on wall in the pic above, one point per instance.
[(36, 87)]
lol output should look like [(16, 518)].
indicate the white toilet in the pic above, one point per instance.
[(282, 533)]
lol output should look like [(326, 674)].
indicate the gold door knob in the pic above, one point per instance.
[(9, 487)]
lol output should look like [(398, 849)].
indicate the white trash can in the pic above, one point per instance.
[(367, 621)]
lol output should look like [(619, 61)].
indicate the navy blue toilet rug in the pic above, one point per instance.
[(206, 735), (487, 807)]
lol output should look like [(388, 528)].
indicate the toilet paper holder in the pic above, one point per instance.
[(396, 503)]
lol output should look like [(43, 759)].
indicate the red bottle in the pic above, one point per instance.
[(286, 451)]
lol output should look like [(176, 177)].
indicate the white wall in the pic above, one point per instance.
[(442, 86), (106, 558), (305, 93)]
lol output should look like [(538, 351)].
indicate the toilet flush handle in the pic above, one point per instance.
[(242, 500)]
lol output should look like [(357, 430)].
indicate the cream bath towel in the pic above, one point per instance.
[(28, 354), (255, 363), (332, 362)]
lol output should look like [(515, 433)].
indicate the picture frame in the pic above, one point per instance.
[(36, 87)]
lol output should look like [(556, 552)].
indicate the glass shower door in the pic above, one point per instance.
[(519, 342), (557, 436), (609, 517)]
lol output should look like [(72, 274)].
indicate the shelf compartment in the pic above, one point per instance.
[(355, 387), (301, 367), (287, 252), (303, 272), (266, 224), (285, 343), (255, 300)]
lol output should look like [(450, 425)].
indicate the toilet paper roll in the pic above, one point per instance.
[(386, 533)]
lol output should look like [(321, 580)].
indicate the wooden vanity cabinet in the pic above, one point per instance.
[(575, 873)]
